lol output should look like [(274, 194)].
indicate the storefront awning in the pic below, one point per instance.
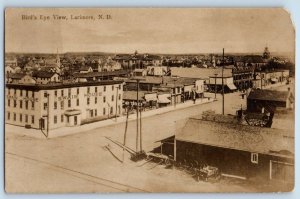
[(274, 79), (150, 97), (231, 86), (164, 99)]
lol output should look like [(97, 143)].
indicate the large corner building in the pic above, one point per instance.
[(52, 106)]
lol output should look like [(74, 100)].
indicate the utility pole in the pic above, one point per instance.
[(261, 81), (48, 115), (216, 85), (117, 103), (141, 148), (125, 133), (174, 93), (137, 114), (223, 83)]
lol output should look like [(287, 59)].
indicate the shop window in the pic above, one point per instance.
[(32, 119)]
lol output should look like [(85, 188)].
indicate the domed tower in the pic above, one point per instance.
[(266, 54)]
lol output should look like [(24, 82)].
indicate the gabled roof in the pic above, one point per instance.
[(237, 136), (269, 95)]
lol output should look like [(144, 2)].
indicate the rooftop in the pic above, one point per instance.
[(237, 136), (268, 95), (60, 85)]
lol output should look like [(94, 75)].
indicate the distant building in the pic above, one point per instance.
[(140, 72), (43, 77)]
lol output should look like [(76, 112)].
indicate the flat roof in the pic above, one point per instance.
[(53, 86)]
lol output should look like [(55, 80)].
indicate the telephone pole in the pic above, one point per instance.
[(137, 114), (223, 83)]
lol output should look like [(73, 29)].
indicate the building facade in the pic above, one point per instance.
[(59, 105)]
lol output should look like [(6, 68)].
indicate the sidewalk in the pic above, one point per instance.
[(63, 131)]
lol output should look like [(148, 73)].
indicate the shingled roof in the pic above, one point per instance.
[(269, 95), (237, 136), (43, 74)]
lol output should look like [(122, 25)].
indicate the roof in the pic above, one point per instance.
[(101, 74), (16, 75), (131, 95), (60, 85), (237, 136), (200, 73), (268, 95), (43, 74)]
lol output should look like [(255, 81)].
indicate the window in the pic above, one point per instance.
[(21, 93), (95, 112), (96, 89), (32, 94), (45, 106), (15, 103), (77, 91), (21, 117), (62, 118), (62, 93), (55, 93), (69, 92), (8, 102), (21, 104), (45, 94), (104, 99), (96, 100), (104, 89), (112, 87), (112, 98), (111, 110), (69, 103), (68, 119), (61, 105), (88, 89), (26, 93), (32, 105), (8, 115), (32, 119), (119, 96), (55, 119), (254, 158), (26, 105), (104, 111), (77, 102), (119, 109), (55, 105), (15, 116), (88, 101), (120, 87), (15, 91), (26, 118)]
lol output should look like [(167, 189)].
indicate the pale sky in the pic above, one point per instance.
[(151, 31)]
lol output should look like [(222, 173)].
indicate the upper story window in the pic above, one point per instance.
[(104, 88)]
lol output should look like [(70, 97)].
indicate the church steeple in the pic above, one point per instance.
[(266, 54)]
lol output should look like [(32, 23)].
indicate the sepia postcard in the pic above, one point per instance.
[(149, 100)]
